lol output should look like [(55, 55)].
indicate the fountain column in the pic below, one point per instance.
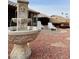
[(22, 14), (22, 9)]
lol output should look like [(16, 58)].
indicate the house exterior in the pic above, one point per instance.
[(43, 18), (34, 15)]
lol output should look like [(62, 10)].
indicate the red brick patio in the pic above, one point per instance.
[(50, 45)]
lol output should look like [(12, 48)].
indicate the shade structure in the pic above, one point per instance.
[(59, 19)]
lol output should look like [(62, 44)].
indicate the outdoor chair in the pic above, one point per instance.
[(51, 26), (39, 25)]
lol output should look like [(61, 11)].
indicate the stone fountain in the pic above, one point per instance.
[(22, 34)]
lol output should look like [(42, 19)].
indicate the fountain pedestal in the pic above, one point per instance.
[(20, 51)]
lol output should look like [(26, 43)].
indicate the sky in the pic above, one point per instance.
[(50, 7)]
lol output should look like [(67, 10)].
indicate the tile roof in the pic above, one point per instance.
[(12, 3), (42, 15)]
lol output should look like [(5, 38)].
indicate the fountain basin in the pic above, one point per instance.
[(20, 39)]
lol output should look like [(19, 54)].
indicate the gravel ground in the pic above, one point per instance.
[(50, 45)]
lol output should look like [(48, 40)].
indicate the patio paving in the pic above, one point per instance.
[(50, 45)]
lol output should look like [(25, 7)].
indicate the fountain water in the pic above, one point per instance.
[(22, 36)]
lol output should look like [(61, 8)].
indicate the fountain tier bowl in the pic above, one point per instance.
[(22, 37)]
